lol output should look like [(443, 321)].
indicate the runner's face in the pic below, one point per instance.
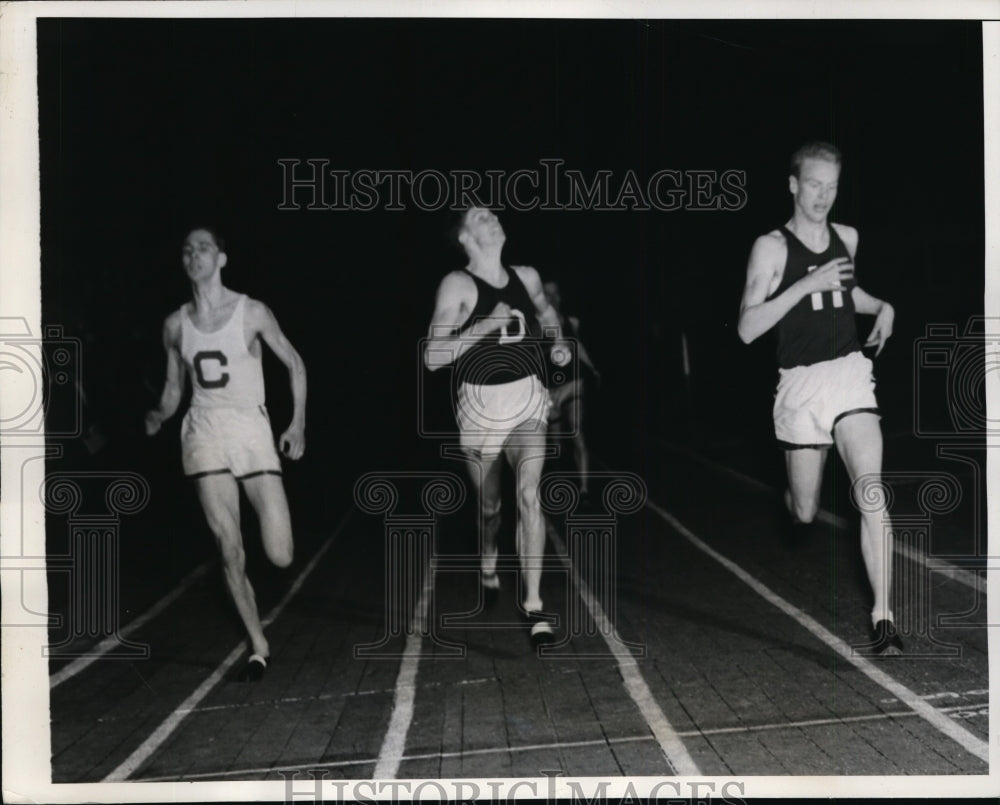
[(483, 227), (815, 189), (200, 255)]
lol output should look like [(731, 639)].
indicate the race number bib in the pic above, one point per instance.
[(817, 298), (208, 369), (506, 337)]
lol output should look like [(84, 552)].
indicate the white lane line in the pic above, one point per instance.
[(935, 564), (394, 743), (111, 643), (496, 750), (935, 718), (666, 736), (320, 697), (945, 568), (164, 731), (835, 720), (332, 764), (947, 694), (428, 685)]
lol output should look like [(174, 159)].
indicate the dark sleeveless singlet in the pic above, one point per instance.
[(821, 326), (510, 353)]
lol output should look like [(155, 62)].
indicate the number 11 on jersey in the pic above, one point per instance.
[(817, 298)]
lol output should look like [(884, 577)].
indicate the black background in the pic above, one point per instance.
[(151, 127)]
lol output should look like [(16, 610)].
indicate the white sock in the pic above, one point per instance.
[(885, 615), (532, 604), (488, 562)]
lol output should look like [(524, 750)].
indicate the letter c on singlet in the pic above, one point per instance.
[(221, 379), (506, 338)]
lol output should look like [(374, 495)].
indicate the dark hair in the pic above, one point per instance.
[(220, 241), (814, 150)]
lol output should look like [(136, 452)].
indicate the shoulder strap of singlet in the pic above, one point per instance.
[(835, 234), (238, 311), (186, 325), (793, 238), (790, 237)]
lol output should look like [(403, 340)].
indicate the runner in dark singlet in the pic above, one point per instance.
[(487, 323), (567, 386), (800, 279)]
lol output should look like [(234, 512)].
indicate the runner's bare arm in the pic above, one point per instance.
[(584, 357), (547, 315), (293, 441), (883, 312), (455, 299), (864, 302), (581, 351), (758, 314), (173, 386)]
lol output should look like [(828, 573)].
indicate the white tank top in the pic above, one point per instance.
[(223, 372)]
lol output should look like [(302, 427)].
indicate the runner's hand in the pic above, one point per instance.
[(153, 422), (828, 277), (883, 328), (293, 442), (495, 319)]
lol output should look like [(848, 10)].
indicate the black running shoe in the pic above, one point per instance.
[(885, 640), (253, 671), (491, 589), (540, 629)]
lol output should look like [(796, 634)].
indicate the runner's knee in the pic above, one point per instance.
[(232, 555), (282, 554), (491, 512), (222, 525), (527, 494), (277, 538)]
